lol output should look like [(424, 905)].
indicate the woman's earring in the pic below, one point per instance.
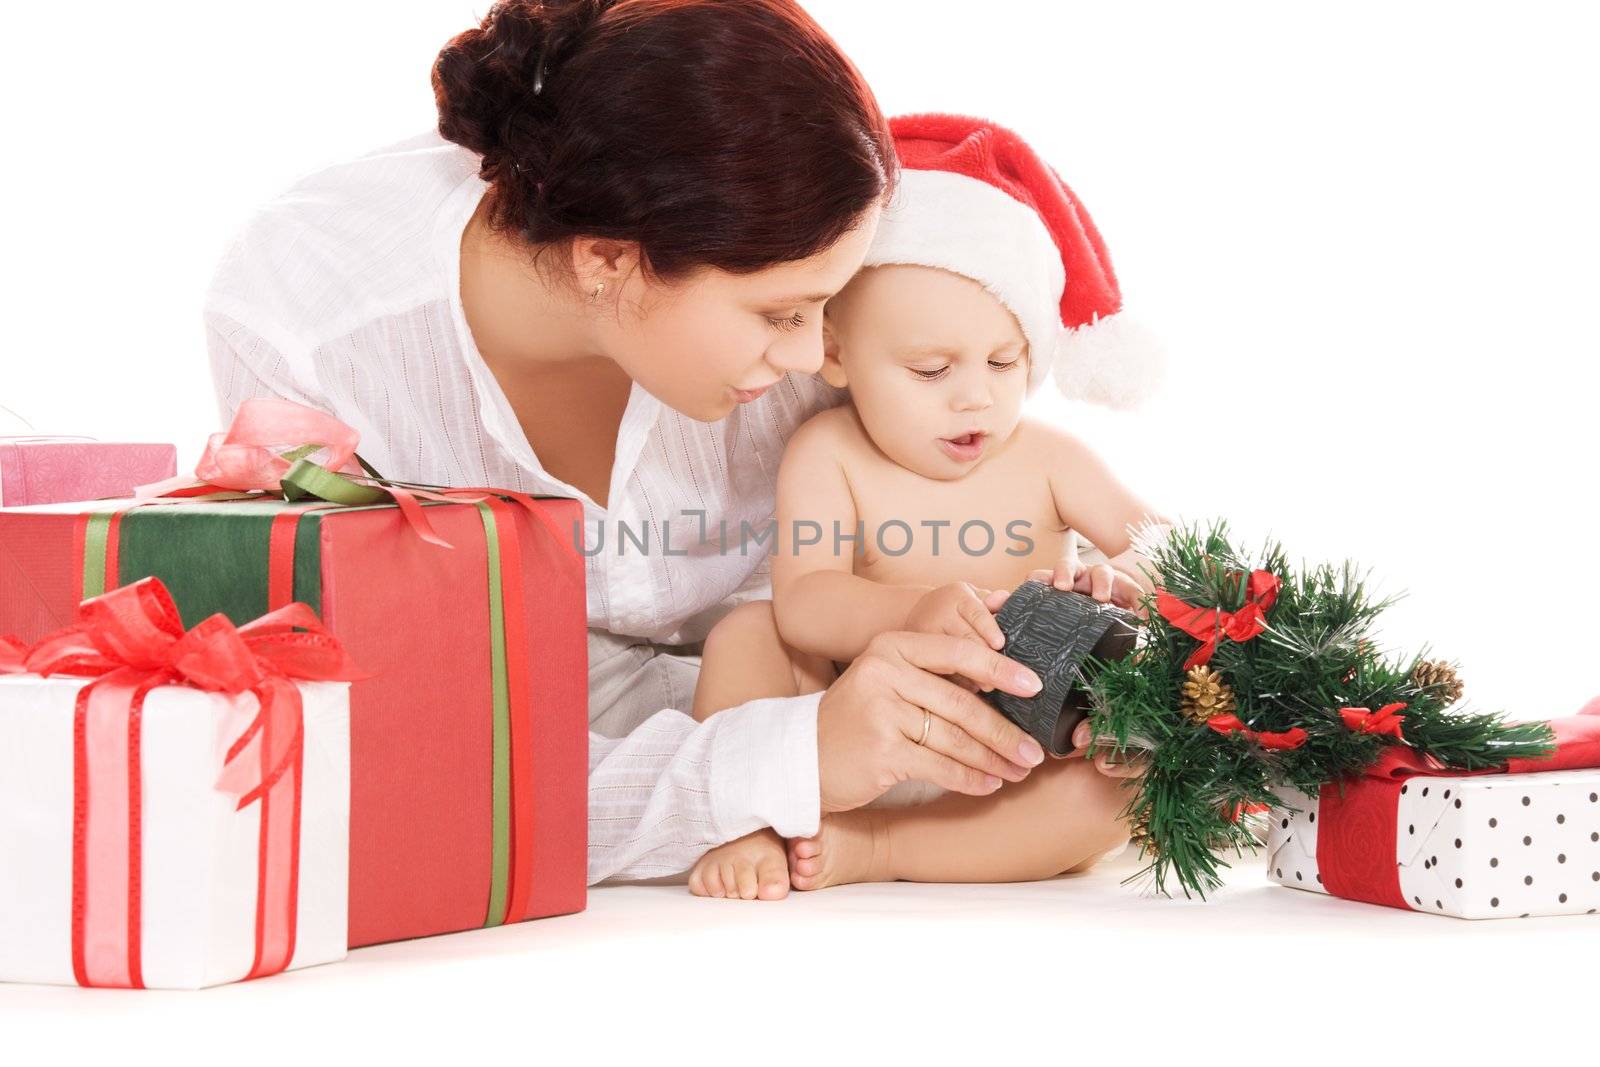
[(597, 291)]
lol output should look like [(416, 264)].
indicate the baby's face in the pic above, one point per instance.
[(937, 367)]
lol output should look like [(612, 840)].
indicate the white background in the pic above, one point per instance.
[(1366, 230)]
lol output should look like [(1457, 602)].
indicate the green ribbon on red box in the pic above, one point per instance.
[(279, 450)]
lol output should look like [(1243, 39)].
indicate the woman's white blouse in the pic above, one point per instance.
[(344, 293)]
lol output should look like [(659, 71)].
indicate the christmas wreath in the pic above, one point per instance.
[(1249, 677)]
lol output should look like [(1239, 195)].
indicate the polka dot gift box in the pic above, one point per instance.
[(1488, 846)]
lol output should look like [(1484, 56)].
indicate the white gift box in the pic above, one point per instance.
[(200, 851), (1480, 847)]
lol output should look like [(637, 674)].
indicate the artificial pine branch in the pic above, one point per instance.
[(1289, 681)]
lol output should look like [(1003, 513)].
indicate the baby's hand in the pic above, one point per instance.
[(960, 609), (1101, 581), (1083, 739)]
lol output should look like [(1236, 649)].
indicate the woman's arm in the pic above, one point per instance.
[(821, 607), (674, 788)]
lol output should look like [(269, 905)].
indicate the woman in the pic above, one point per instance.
[(605, 280)]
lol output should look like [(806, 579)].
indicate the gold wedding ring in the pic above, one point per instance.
[(927, 724)]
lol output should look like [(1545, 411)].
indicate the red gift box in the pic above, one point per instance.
[(45, 470), (468, 746)]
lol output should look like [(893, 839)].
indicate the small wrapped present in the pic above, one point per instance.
[(48, 470), (1475, 846), (469, 742), (174, 805)]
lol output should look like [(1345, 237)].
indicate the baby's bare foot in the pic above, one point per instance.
[(852, 846), (751, 868)]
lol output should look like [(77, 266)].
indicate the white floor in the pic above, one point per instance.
[(651, 974)]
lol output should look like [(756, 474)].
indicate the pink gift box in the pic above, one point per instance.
[(55, 470)]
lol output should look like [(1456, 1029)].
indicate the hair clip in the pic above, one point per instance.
[(538, 72)]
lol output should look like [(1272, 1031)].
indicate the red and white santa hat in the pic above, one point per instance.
[(975, 200)]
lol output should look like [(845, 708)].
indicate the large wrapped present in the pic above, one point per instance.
[(173, 806), (468, 743), (47, 470), (1475, 846)]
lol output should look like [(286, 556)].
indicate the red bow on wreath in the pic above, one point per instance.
[(1386, 720), (1210, 625), (1231, 724)]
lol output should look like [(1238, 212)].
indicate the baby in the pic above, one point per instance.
[(919, 503)]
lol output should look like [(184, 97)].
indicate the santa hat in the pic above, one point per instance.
[(975, 200)]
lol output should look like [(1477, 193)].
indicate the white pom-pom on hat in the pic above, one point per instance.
[(1115, 362), (976, 200)]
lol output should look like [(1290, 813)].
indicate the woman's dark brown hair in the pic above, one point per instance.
[(714, 133)]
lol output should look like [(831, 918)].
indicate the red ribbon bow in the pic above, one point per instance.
[(134, 635), (130, 641), (1210, 625), (1232, 724), (1386, 720)]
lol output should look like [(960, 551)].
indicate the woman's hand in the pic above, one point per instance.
[(1082, 738), (1102, 581), (959, 609), (871, 720)]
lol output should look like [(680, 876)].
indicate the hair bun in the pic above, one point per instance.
[(484, 80), (723, 134)]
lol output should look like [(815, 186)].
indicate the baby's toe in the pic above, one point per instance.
[(805, 861), (730, 881), (801, 871), (697, 881), (745, 873), (772, 876)]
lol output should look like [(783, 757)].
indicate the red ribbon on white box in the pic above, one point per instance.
[(131, 641), (1356, 824)]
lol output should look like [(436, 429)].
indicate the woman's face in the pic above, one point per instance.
[(715, 340)]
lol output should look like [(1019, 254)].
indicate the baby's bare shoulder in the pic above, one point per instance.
[(833, 434), (1050, 445)]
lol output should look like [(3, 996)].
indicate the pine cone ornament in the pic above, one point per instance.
[(1139, 834), (1205, 695), (1437, 674)]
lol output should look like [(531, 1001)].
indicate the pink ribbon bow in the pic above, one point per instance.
[(268, 437), (265, 439)]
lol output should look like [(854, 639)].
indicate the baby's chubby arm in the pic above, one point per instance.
[(1092, 500), (822, 608)]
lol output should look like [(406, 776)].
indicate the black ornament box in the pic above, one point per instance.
[(1055, 633)]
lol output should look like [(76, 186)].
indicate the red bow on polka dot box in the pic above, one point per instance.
[(1476, 846)]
